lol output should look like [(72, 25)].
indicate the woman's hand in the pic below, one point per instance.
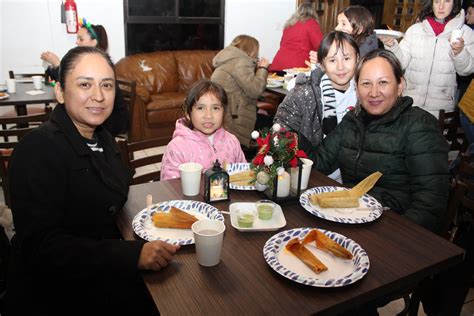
[(263, 62), (155, 255), (51, 58), (313, 57), (387, 40), (457, 46)]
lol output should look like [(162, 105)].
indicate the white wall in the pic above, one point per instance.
[(29, 27), (262, 19)]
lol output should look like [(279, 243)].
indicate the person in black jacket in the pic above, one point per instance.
[(95, 36), (68, 183)]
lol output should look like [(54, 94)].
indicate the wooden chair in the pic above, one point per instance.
[(451, 127), (128, 90), (128, 155), (11, 136)]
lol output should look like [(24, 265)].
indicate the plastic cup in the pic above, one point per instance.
[(246, 217), (190, 173), (38, 82), (265, 209), (11, 85), (456, 35), (208, 237)]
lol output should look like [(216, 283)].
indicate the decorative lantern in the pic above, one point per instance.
[(216, 184), (282, 190)]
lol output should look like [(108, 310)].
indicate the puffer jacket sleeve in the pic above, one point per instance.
[(326, 156), (251, 82), (464, 61), (403, 49), (289, 114), (427, 163), (174, 155)]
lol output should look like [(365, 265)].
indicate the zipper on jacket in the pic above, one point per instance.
[(431, 70)]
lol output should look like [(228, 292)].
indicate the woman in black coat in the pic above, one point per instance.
[(68, 184)]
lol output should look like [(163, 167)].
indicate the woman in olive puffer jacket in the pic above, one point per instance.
[(389, 135)]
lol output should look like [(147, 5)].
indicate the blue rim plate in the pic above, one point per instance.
[(170, 235), (340, 272), (238, 167), (337, 215)]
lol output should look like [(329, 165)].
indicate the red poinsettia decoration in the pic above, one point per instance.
[(277, 148)]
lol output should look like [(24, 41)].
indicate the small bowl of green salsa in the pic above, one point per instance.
[(265, 209), (246, 217)]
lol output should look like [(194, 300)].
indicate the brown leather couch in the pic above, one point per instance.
[(163, 79)]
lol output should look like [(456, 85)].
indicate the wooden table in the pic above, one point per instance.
[(401, 254), (20, 99)]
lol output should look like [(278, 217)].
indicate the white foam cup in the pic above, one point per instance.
[(456, 35), (11, 85), (38, 82), (190, 174), (208, 237)]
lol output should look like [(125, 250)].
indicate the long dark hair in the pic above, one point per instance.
[(196, 91), (99, 34), (427, 10), (361, 20)]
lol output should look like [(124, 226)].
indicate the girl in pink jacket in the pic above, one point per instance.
[(199, 135)]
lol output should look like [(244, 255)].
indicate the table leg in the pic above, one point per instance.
[(21, 110)]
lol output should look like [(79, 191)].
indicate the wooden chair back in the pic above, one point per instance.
[(128, 151), (129, 92), (12, 134), (450, 125), (461, 198)]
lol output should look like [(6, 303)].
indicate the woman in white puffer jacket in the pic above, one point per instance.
[(429, 57)]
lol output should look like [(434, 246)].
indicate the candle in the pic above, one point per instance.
[(283, 185)]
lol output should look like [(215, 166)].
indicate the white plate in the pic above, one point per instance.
[(174, 236), (274, 84), (295, 71), (235, 168), (276, 222), (390, 33), (340, 272), (346, 215), (6, 95)]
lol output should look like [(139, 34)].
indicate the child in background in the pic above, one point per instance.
[(357, 21), (316, 105), (199, 136)]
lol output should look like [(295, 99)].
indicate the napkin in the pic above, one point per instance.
[(35, 92)]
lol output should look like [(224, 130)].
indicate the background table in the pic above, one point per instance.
[(401, 254), (20, 99)]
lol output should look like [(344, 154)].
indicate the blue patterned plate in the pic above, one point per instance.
[(173, 236), (369, 208), (340, 271), (238, 167)]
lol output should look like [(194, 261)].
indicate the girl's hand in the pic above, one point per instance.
[(263, 62), (156, 255), (457, 46), (313, 57), (50, 58), (387, 40)]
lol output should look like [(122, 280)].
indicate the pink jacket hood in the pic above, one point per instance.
[(192, 146)]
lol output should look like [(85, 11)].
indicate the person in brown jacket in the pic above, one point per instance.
[(243, 77)]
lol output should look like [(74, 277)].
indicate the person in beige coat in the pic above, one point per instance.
[(243, 77)]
